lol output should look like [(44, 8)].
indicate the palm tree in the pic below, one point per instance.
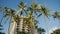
[(43, 10), (15, 17), (8, 12), (22, 8), (33, 8), (56, 15), (30, 19), (28, 22)]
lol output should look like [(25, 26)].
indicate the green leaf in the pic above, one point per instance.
[(39, 15)]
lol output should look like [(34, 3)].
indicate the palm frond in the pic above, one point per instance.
[(23, 8), (56, 15), (39, 15), (34, 7), (21, 13), (44, 11), (25, 12), (22, 5), (5, 9)]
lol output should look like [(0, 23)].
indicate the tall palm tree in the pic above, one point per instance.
[(33, 8), (8, 12), (31, 21), (28, 21)]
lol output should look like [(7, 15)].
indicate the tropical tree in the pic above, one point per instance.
[(43, 10), (21, 22), (8, 12), (56, 15), (30, 19), (22, 8)]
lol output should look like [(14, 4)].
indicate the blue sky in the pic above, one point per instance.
[(53, 5)]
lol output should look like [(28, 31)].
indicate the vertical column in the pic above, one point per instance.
[(12, 27), (20, 25)]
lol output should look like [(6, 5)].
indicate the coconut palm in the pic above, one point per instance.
[(43, 10), (8, 12), (30, 19), (56, 15), (28, 22), (15, 20), (33, 8), (22, 8)]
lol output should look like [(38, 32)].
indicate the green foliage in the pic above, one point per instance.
[(56, 15), (56, 31), (34, 9)]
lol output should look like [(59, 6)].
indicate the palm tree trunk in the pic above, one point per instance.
[(20, 25), (13, 25), (32, 28)]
